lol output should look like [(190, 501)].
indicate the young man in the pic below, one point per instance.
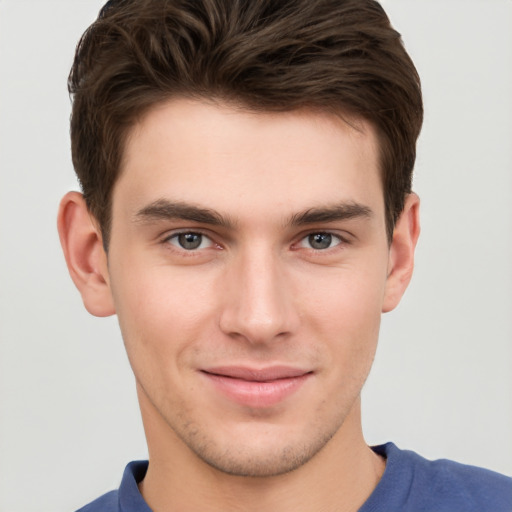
[(247, 213)]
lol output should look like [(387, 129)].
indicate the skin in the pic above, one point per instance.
[(293, 269)]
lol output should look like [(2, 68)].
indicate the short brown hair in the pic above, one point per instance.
[(342, 56)]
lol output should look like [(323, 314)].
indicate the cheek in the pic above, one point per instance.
[(161, 315), (349, 296), (344, 312)]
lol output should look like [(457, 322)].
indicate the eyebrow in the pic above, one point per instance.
[(337, 212), (163, 209)]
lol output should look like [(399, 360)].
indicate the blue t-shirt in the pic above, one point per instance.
[(410, 484)]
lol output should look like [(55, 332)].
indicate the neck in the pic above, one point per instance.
[(338, 478)]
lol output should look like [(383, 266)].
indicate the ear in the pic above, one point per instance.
[(86, 259), (401, 253)]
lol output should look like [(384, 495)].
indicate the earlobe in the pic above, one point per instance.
[(401, 253), (85, 257)]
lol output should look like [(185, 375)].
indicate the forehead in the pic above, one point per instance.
[(229, 158)]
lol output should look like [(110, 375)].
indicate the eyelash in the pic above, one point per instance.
[(340, 241), (332, 237), (174, 236)]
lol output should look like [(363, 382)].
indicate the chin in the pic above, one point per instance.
[(258, 465), (259, 456)]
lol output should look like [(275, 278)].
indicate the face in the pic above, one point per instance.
[(248, 266)]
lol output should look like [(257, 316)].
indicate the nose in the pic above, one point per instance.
[(259, 303)]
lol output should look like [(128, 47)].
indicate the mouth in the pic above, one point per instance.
[(257, 388)]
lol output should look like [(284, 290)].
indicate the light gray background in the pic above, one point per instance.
[(442, 381)]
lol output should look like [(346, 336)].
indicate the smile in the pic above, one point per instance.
[(257, 388)]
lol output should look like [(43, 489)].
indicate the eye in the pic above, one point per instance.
[(320, 241), (190, 241)]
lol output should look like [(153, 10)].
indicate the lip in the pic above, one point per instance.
[(257, 388)]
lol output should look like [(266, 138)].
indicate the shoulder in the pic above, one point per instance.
[(107, 503), (473, 483), (454, 485), (415, 483), (127, 498)]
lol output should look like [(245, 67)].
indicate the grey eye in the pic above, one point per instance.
[(189, 241), (320, 240)]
